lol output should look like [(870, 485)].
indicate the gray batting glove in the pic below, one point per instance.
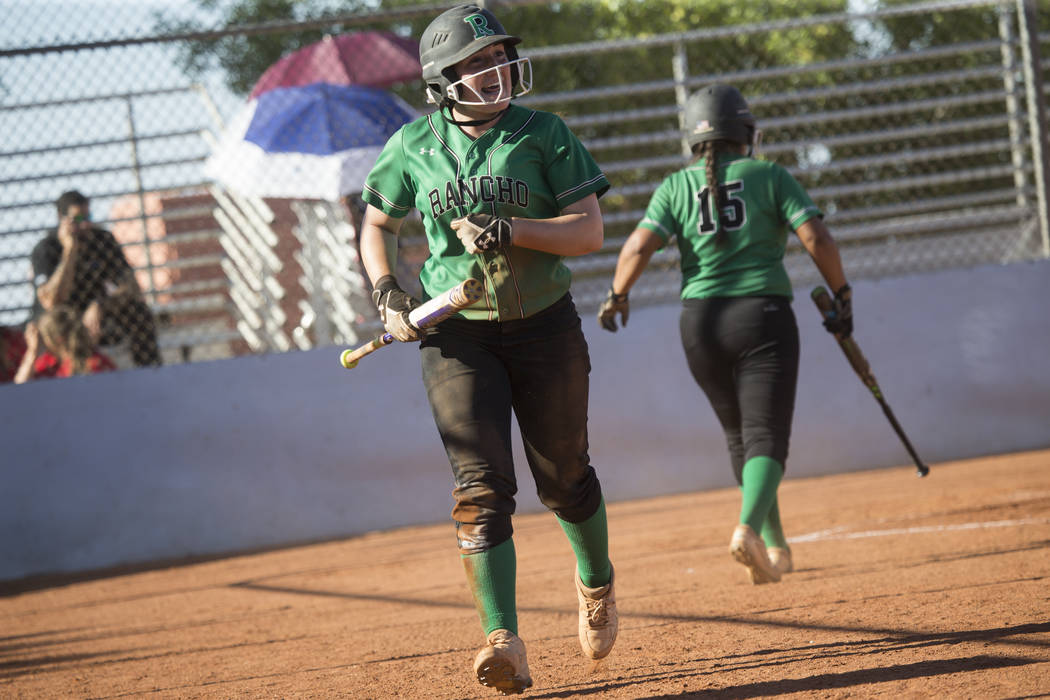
[(614, 304), (483, 232), (394, 304)]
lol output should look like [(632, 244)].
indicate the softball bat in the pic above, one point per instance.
[(425, 315), (860, 365)]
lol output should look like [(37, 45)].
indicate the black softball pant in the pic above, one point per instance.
[(475, 374), (744, 353)]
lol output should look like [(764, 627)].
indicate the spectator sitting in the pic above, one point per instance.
[(12, 349), (84, 267), (68, 348)]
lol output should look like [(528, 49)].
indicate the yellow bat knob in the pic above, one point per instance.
[(345, 360)]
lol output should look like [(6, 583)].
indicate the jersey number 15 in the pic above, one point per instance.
[(731, 217)]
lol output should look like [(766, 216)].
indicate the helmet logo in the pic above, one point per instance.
[(439, 38), (702, 126), (480, 25)]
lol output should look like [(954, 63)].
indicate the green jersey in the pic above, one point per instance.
[(763, 201), (529, 164)]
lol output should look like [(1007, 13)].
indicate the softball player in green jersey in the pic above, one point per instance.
[(505, 193), (730, 215)]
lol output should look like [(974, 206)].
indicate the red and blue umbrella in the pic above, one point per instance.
[(317, 141), (317, 118)]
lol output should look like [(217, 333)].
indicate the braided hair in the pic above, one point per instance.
[(708, 151)]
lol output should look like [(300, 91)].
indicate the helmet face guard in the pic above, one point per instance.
[(719, 113), (453, 36), (519, 84)]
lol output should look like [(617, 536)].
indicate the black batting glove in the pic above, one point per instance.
[(483, 232), (839, 319), (394, 304), (614, 304)]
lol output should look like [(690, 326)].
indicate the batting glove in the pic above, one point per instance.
[(483, 232), (394, 304), (839, 319), (614, 304)]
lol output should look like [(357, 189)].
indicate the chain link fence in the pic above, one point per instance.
[(919, 128)]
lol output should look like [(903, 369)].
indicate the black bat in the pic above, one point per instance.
[(860, 365)]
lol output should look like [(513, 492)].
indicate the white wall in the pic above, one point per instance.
[(215, 457)]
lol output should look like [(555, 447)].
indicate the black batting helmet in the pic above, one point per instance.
[(718, 112), (451, 37)]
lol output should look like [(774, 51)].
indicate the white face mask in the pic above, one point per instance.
[(461, 93)]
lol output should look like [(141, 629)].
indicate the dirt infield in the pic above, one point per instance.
[(904, 588)]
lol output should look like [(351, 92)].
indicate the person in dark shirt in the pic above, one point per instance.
[(84, 267)]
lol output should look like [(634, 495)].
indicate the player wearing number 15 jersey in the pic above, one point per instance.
[(505, 193), (730, 215)]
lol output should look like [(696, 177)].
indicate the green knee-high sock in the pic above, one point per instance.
[(590, 542), (761, 477), (491, 575), (772, 530)]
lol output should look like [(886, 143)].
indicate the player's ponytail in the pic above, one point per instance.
[(708, 151)]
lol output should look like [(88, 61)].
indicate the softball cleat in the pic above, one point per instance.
[(599, 622), (780, 558), (502, 664), (749, 549)]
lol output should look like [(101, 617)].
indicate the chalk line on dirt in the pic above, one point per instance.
[(839, 533)]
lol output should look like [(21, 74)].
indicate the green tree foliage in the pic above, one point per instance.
[(243, 57)]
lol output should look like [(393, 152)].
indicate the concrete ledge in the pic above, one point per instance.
[(232, 455)]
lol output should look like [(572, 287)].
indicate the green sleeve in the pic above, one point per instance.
[(793, 201), (389, 186), (659, 215), (571, 170)]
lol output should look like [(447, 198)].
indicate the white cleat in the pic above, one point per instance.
[(749, 549), (598, 620), (502, 664), (780, 558)]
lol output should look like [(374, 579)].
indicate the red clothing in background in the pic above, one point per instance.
[(15, 344), (47, 365)]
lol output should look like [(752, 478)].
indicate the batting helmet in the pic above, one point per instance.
[(451, 37), (718, 112)]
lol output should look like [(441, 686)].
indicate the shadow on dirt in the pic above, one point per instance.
[(872, 648)]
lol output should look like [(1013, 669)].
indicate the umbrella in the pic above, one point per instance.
[(376, 59), (313, 142)]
